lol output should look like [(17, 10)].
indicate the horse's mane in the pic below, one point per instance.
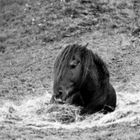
[(89, 61)]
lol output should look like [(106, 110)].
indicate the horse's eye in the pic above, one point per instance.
[(73, 64)]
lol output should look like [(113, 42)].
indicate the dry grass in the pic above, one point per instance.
[(64, 114)]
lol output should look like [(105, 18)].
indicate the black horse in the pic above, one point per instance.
[(81, 78)]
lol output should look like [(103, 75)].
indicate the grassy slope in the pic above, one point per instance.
[(32, 32)]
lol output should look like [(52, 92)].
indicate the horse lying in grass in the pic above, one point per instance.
[(81, 78)]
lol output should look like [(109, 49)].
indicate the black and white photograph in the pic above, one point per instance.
[(69, 69)]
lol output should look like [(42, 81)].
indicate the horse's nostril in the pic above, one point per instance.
[(59, 94), (58, 97)]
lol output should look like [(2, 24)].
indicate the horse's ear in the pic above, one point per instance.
[(85, 46)]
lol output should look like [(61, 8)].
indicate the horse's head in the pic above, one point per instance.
[(67, 73)]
